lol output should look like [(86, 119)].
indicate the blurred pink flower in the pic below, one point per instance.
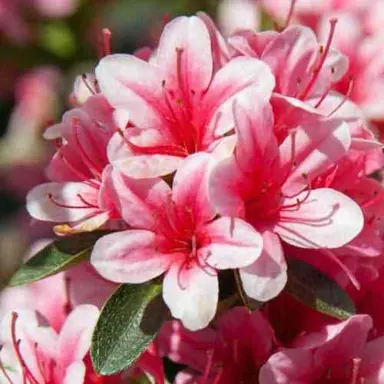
[(37, 354), (337, 353), (231, 352)]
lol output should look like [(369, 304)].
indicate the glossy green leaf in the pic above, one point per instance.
[(128, 323), (56, 257), (318, 291)]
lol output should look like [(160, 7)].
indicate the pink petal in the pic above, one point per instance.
[(75, 336), (88, 225), (134, 85), (290, 56), (290, 366), (372, 361), (190, 186), (316, 144), (326, 219), (230, 243), (45, 202), (139, 165), (266, 277), (75, 373), (86, 286), (257, 144), (138, 200), (240, 76), (190, 36), (220, 49), (226, 185), (191, 294), (129, 257)]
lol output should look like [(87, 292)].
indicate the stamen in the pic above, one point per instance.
[(79, 174), (61, 205), (236, 351), (298, 201), (166, 18), (355, 370), (208, 367), (290, 14), (345, 98), (107, 41), (92, 166), (347, 271), (40, 362), (86, 83), (323, 97), (87, 203), (323, 55), (16, 346), (67, 305), (240, 289), (218, 376)]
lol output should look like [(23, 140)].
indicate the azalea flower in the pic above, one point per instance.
[(37, 354), (79, 194), (175, 232), (337, 353), (231, 352), (268, 181), (178, 103)]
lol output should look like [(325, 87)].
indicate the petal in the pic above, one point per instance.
[(290, 56), (240, 76), (290, 366), (230, 243), (226, 185), (138, 200), (194, 299), (324, 219), (134, 85), (266, 277), (185, 50), (316, 144), (256, 142), (88, 225), (140, 165), (129, 257), (372, 361), (75, 373), (75, 336), (190, 186), (62, 202)]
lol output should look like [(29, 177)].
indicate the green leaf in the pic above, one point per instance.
[(128, 323), (56, 257), (318, 291)]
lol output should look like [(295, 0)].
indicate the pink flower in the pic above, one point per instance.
[(37, 354), (178, 103), (337, 353), (79, 196), (268, 181), (176, 233), (302, 67), (231, 352)]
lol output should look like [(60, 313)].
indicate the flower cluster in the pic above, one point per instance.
[(228, 171)]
